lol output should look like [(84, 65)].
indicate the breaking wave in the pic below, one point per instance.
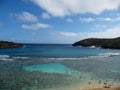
[(11, 58), (101, 55), (6, 58), (109, 54)]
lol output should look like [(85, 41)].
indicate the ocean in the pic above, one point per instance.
[(57, 67)]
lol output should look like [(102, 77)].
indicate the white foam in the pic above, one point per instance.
[(92, 46), (20, 57), (102, 55), (6, 58), (60, 59), (109, 54)]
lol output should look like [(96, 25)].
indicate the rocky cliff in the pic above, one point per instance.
[(6, 44), (113, 43)]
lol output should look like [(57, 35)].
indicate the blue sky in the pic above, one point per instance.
[(58, 21)]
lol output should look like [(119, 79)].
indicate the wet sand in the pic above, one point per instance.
[(87, 87), (117, 88), (102, 88), (98, 87)]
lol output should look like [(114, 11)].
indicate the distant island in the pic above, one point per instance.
[(113, 43), (6, 44)]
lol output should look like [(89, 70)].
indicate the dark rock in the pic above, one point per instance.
[(6, 44), (97, 42)]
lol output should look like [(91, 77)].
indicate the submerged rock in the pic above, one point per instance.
[(6, 44), (113, 43)]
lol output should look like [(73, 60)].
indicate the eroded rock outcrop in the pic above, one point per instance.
[(100, 42), (6, 44)]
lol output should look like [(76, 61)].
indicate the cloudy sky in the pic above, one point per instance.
[(58, 21)]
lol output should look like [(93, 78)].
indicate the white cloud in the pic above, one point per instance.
[(71, 37), (109, 33), (106, 19), (36, 26), (69, 20), (62, 8), (68, 34), (87, 19), (26, 16), (109, 19), (45, 16)]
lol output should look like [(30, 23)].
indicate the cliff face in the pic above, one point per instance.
[(5, 44), (103, 43)]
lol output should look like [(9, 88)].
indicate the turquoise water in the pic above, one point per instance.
[(75, 65), (49, 67), (55, 50), (62, 69), (53, 68)]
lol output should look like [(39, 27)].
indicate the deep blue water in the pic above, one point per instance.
[(55, 51), (65, 59)]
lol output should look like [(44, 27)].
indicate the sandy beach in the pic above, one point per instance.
[(102, 88), (87, 87)]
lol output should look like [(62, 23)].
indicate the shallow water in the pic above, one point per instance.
[(49, 68), (78, 78), (92, 70), (57, 67)]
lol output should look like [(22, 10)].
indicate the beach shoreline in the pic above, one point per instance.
[(88, 87), (101, 87)]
